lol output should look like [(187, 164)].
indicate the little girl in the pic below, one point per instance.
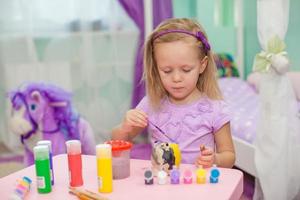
[(183, 102)]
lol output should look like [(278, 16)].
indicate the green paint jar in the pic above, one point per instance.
[(42, 168)]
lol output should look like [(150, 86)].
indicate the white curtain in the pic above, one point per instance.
[(278, 137), (85, 46)]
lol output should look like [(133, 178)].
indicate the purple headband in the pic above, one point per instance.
[(199, 35)]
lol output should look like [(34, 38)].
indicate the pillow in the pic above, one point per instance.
[(254, 79), (225, 65)]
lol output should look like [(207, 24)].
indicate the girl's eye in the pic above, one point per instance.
[(167, 71), (32, 107), (187, 70)]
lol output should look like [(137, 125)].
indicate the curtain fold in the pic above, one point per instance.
[(135, 9), (87, 51), (278, 136)]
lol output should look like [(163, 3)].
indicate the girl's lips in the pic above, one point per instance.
[(178, 88)]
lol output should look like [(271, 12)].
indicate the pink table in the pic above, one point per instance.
[(230, 184)]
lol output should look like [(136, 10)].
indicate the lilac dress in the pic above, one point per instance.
[(189, 125)]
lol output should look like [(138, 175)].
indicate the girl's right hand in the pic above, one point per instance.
[(134, 118)]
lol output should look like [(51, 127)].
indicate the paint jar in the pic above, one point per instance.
[(201, 175), (104, 168), (120, 158), (214, 174), (187, 176), (162, 177), (74, 162), (49, 145), (148, 174), (175, 176), (42, 168)]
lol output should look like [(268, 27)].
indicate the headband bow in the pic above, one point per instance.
[(200, 36)]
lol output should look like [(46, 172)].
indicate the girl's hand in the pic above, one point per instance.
[(207, 157), (134, 118)]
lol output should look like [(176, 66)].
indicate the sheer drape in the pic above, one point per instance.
[(84, 46), (278, 137)]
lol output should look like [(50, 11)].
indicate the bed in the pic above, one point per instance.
[(243, 102)]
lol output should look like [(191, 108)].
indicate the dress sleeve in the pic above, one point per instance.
[(221, 115)]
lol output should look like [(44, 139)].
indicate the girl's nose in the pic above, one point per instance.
[(176, 76)]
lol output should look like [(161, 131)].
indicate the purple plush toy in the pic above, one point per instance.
[(43, 111)]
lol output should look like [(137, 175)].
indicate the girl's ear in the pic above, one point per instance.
[(36, 95), (203, 64)]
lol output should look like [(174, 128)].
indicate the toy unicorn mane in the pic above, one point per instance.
[(58, 99)]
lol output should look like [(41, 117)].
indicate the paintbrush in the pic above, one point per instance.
[(159, 129), (94, 195), (86, 194), (80, 195)]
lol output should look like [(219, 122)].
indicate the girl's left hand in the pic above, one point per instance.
[(207, 157)]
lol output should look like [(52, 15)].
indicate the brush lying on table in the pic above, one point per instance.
[(84, 194)]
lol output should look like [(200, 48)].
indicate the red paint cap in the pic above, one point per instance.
[(118, 145)]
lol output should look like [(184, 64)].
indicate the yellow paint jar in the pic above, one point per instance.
[(104, 168), (201, 175)]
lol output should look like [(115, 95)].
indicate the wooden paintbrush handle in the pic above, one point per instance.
[(80, 196), (87, 193)]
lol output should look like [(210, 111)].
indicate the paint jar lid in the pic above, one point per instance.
[(118, 145), (148, 174), (103, 151), (201, 172), (45, 142), (188, 173), (174, 173), (41, 152), (215, 173), (73, 147), (162, 174)]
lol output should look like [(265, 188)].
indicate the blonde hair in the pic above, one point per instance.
[(207, 81)]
